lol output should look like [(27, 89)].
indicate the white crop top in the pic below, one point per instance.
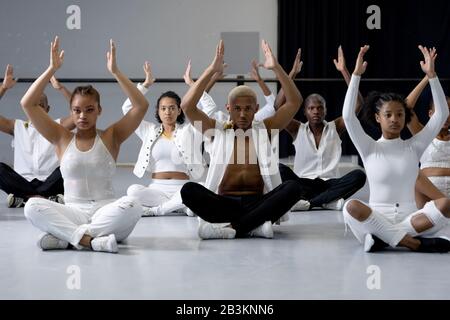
[(437, 155), (87, 174), (166, 156)]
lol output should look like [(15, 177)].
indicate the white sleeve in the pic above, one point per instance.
[(207, 104), (360, 139), (126, 106), (268, 110), (421, 140)]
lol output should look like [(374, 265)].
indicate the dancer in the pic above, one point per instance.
[(36, 168), (435, 161), (91, 218), (318, 152), (243, 194), (391, 217), (170, 152)]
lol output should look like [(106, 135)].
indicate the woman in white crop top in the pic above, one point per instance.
[(170, 152), (391, 217), (435, 161), (91, 217)]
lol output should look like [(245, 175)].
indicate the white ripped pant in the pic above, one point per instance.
[(391, 223), (162, 193), (70, 222)]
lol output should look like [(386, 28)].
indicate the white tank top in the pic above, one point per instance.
[(87, 174), (436, 155), (167, 157)]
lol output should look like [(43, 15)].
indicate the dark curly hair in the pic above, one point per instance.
[(375, 100), (173, 95)]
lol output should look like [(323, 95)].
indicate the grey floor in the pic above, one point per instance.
[(309, 258)]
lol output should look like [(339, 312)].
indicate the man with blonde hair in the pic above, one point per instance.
[(243, 194)]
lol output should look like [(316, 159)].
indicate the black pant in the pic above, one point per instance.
[(319, 192), (12, 182), (244, 212)]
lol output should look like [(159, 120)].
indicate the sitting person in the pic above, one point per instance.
[(318, 152), (170, 152), (391, 218), (91, 218), (243, 193), (36, 168), (435, 161)]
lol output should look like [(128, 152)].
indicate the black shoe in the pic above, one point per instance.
[(372, 243), (435, 245)]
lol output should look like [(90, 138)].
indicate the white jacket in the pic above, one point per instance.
[(187, 140), (266, 150)]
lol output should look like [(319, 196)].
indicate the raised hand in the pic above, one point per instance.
[(55, 83), (270, 60), (340, 62), (217, 64), (187, 74), (149, 79), (56, 56), (219, 74), (111, 58), (255, 72), (361, 65), (8, 80), (298, 64), (427, 65)]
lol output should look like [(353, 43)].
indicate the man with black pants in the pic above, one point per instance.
[(36, 168)]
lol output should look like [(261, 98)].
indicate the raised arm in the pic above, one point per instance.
[(143, 88), (123, 128), (415, 125), (7, 125), (257, 77), (206, 102), (357, 134), (287, 111), (296, 68), (66, 122), (342, 68), (293, 126), (47, 127), (268, 109), (192, 96), (61, 88), (437, 120)]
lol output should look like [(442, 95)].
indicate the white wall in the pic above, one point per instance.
[(165, 32)]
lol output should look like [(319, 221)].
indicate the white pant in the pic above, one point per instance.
[(70, 222), (392, 223), (162, 193), (442, 183)]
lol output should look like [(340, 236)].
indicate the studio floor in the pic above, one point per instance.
[(310, 257)]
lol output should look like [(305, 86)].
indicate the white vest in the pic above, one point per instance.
[(34, 156), (322, 162)]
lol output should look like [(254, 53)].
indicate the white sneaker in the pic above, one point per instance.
[(49, 242), (105, 244), (150, 212), (208, 230), (263, 231), (334, 205), (301, 205)]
